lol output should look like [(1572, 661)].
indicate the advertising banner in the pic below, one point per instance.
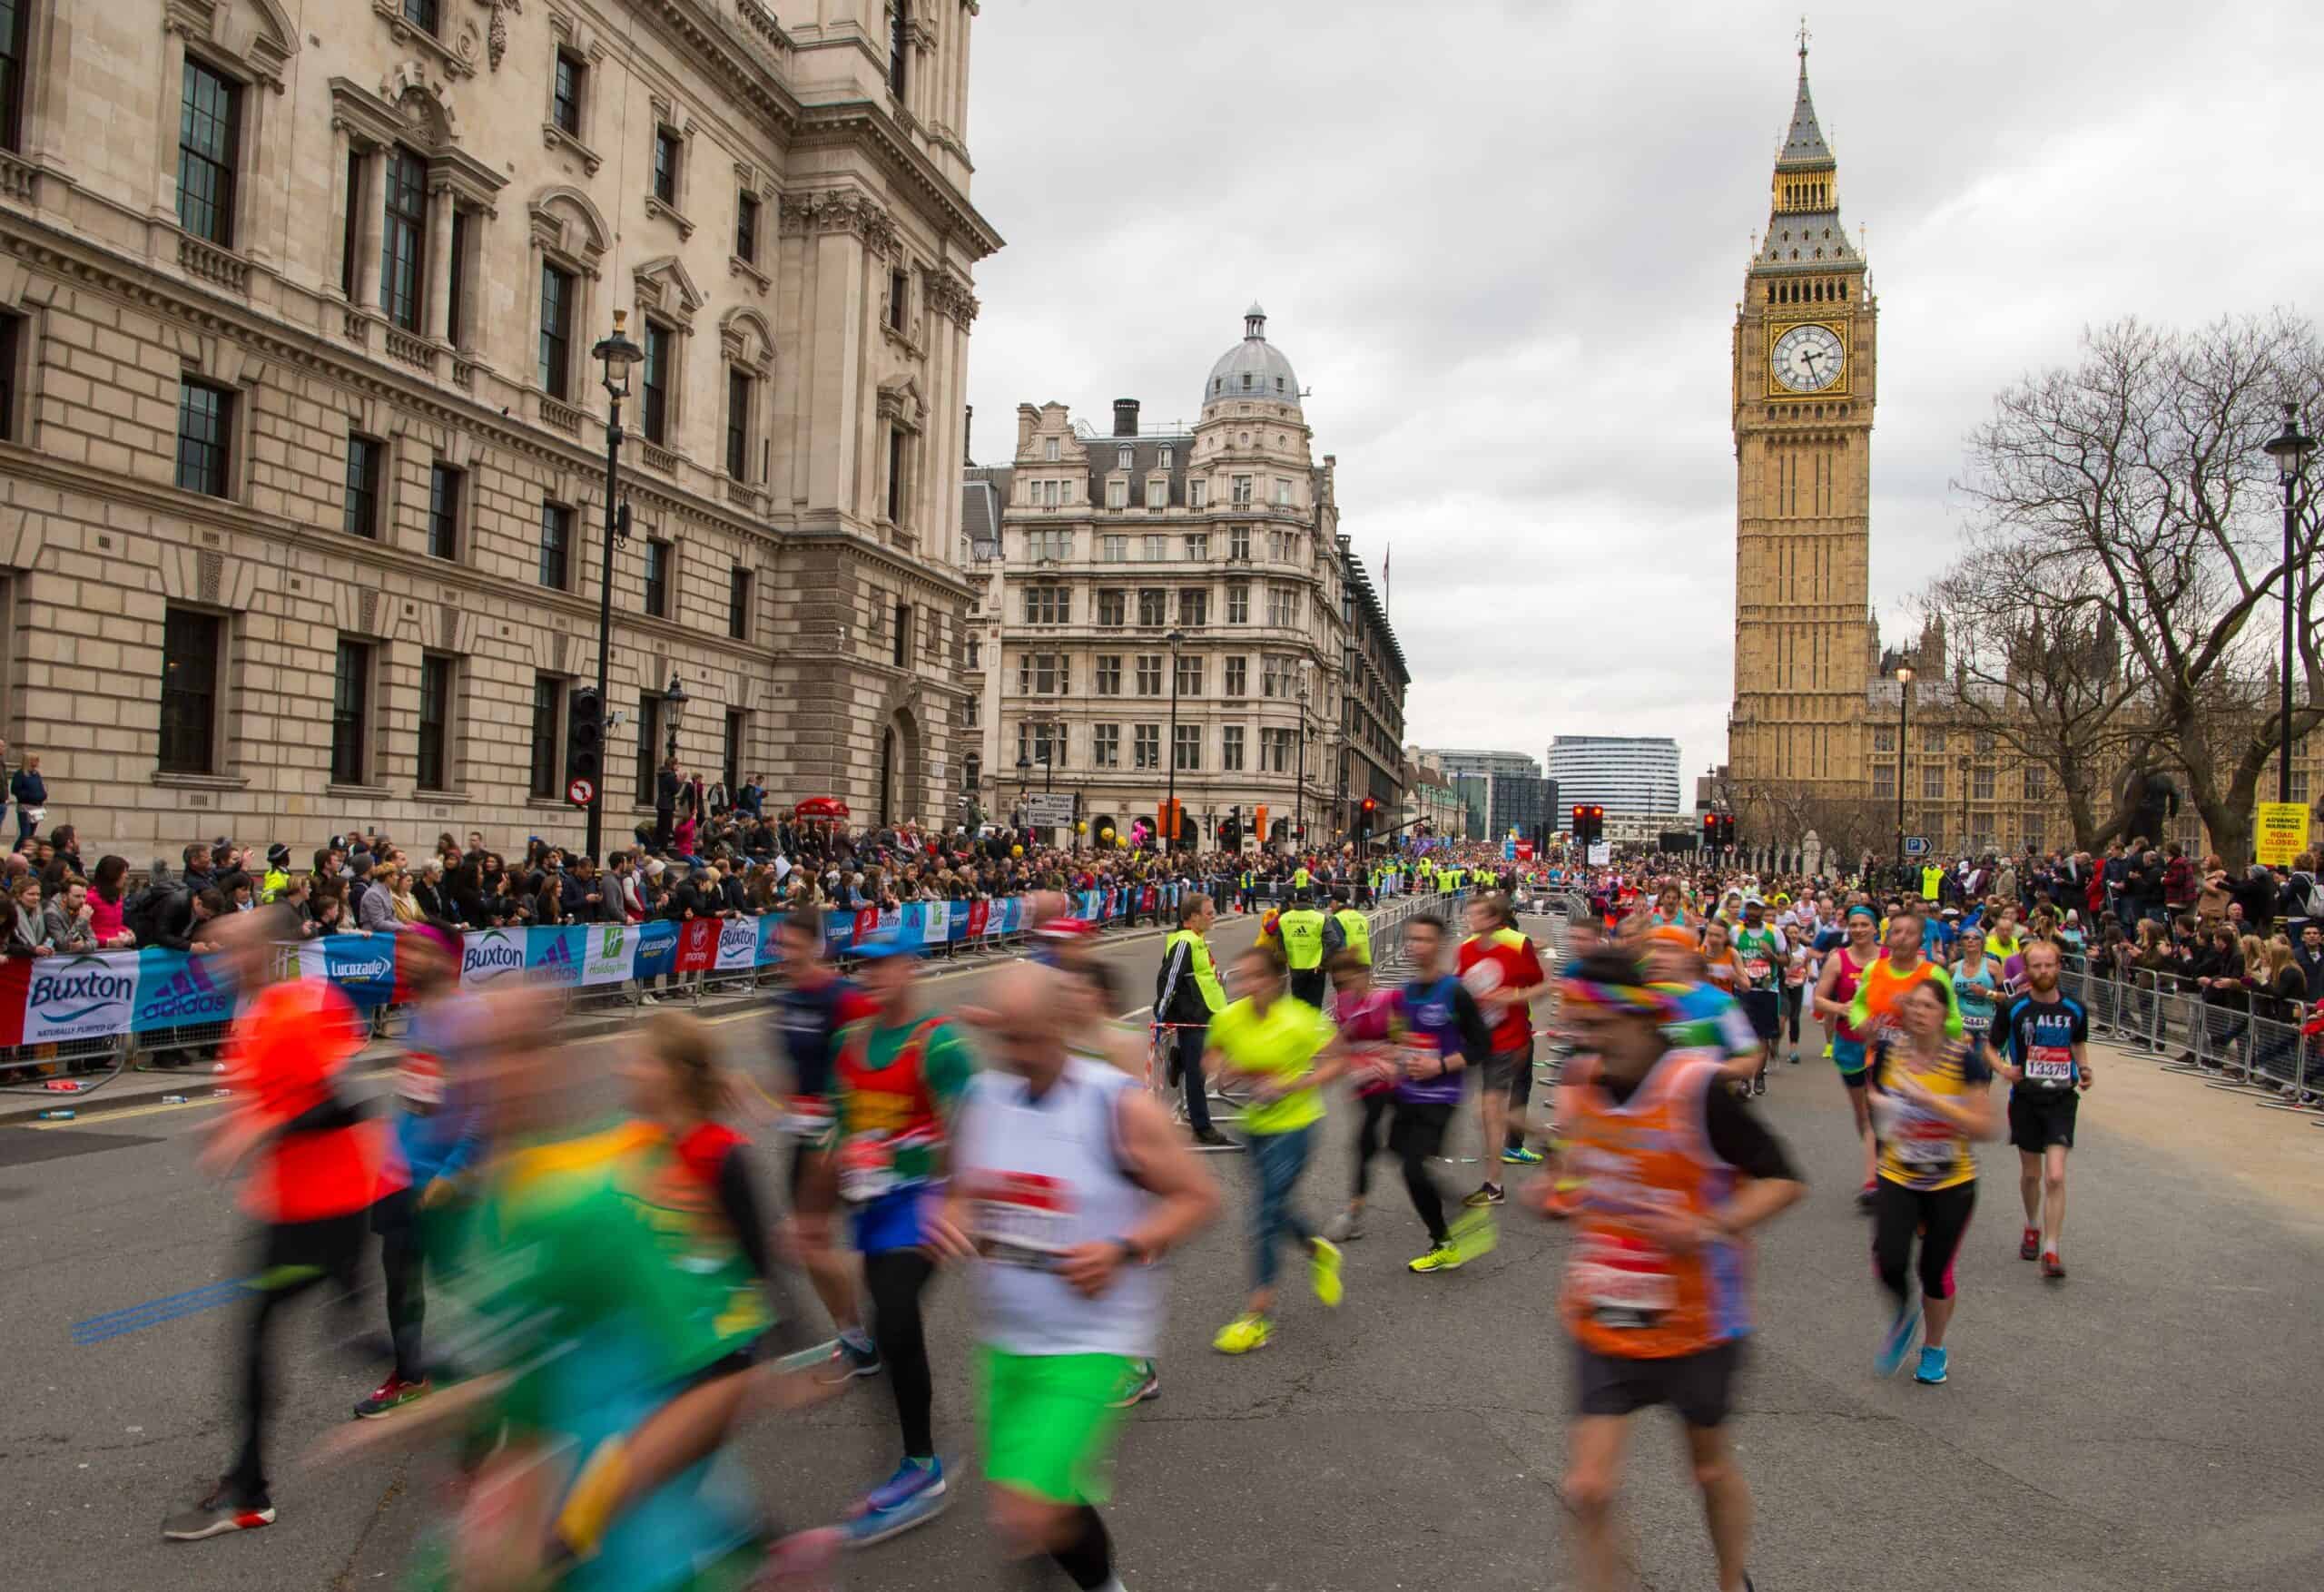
[(738, 945), (489, 953), (697, 944), (610, 950), (175, 990), (87, 996), (657, 949), (554, 954), (979, 915), (363, 966)]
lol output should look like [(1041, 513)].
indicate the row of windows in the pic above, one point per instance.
[(194, 651), (206, 423), (1935, 738), (1048, 604), (1051, 675), (1058, 493), (1046, 743), (1157, 547)]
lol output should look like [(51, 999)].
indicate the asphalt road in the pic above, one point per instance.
[(2150, 1424)]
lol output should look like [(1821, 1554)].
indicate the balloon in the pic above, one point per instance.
[(1106, 833), (1015, 850), (1079, 828)]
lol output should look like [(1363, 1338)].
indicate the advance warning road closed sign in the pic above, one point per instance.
[(2279, 832)]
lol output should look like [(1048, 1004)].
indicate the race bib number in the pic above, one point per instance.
[(1757, 970), (1482, 979), (1625, 1284), (1919, 1137), (867, 1168), (2049, 1064), (805, 1116), (1021, 1218)]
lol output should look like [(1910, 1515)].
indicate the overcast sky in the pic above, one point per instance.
[(1503, 243)]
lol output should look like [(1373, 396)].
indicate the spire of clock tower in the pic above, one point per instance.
[(1804, 226)]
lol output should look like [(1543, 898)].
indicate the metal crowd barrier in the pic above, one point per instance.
[(2225, 1042)]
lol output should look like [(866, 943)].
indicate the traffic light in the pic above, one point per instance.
[(584, 741), (1726, 829), (1580, 822), (1710, 831)]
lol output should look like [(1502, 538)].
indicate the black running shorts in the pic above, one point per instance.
[(2037, 1121), (1700, 1387)]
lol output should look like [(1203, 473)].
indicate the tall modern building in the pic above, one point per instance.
[(302, 441), (1621, 773), (1500, 791), (1173, 609)]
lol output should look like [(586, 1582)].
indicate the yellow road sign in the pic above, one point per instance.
[(2280, 833)]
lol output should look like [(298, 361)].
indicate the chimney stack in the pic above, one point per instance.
[(1027, 417), (1125, 416)]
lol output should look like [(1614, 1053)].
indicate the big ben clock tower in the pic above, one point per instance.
[(1804, 381)]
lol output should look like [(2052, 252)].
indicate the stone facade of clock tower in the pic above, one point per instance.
[(1804, 635)]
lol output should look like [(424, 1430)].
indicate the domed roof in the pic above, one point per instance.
[(1252, 369)]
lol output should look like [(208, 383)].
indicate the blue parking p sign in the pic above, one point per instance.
[(1915, 845)]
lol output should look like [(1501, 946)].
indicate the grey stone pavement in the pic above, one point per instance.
[(2151, 1423)]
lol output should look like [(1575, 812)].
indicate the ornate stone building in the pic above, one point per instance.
[(1199, 566), (302, 451), (1804, 382)]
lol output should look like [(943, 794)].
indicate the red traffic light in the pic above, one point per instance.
[(1370, 806), (1710, 821)]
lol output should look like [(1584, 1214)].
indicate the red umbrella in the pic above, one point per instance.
[(829, 807)]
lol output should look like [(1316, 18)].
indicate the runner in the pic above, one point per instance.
[(1092, 1032), (1976, 984), (315, 1173), (2040, 1043), (1187, 997), (1069, 1184), (896, 1078), (1502, 970), (1370, 1023), (1760, 947), (1289, 1051), (1677, 1172), (808, 1009), (437, 1135), (1445, 1035), (1931, 1096)]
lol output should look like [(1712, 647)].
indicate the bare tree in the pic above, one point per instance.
[(1779, 813), (2131, 490)]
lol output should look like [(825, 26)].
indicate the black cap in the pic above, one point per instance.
[(278, 855)]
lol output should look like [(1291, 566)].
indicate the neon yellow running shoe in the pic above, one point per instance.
[(1444, 1257), (1324, 1272), (1474, 1233), (1241, 1335)]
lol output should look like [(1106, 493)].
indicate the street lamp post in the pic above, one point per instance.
[(1299, 794), (617, 354), (1964, 764), (1024, 785), (674, 708), (1904, 735), (1176, 639), (2289, 449)]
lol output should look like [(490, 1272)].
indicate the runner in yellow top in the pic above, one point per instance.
[(1289, 1051), (1931, 1096)]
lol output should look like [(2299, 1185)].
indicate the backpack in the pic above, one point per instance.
[(146, 910)]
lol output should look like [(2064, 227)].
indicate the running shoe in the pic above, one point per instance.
[(913, 1496), (1210, 1138), (1344, 1228), (1931, 1370), (1868, 1196), (1474, 1234), (1241, 1335), (1324, 1272), (1522, 1155), (2029, 1243), (850, 1359), (218, 1514), (1759, 1085), (1903, 1331), (1795, 1059), (1144, 1383), (388, 1396), (1564, 1200), (2053, 1270), (1488, 1194), (1443, 1257)]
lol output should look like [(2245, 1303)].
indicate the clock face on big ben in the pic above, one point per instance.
[(1808, 359)]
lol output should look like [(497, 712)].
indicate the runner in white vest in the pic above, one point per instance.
[(1067, 1184)]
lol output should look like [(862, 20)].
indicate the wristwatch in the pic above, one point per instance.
[(1135, 1252)]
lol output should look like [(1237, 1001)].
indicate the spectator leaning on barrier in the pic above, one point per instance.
[(185, 922), (107, 895), (27, 934), (65, 920)]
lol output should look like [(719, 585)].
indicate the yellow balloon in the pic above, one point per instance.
[(1079, 828), (1015, 850), (1106, 833)]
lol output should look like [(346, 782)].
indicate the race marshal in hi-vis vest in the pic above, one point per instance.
[(1303, 938), (1358, 929)]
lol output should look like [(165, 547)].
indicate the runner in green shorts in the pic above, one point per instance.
[(1067, 1185)]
